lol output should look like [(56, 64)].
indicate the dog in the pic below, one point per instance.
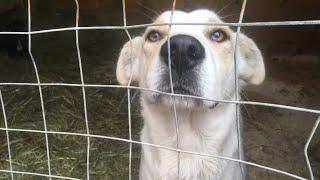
[(202, 64)]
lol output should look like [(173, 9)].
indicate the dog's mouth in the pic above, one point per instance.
[(185, 92), (180, 90), (184, 97), (182, 94)]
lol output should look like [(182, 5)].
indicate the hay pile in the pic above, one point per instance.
[(57, 61)]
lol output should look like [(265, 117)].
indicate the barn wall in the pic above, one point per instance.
[(273, 40)]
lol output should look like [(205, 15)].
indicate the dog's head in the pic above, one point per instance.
[(202, 59)]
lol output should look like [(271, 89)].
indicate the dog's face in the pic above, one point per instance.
[(202, 59)]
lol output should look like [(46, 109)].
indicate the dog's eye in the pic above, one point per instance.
[(154, 36), (218, 35)]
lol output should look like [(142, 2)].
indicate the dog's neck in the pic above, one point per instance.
[(205, 126)]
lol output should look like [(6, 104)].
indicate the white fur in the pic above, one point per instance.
[(202, 128), (204, 131)]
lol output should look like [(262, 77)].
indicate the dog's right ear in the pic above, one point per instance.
[(128, 61), (251, 65)]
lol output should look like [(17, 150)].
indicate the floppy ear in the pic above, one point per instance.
[(250, 63), (128, 61)]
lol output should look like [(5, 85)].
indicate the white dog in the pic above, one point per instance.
[(202, 63)]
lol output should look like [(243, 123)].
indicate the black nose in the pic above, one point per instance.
[(185, 51)]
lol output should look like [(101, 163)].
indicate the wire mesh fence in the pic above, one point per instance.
[(83, 85)]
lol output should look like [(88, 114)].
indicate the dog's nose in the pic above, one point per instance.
[(185, 51)]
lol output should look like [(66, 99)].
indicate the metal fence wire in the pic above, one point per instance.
[(129, 87)]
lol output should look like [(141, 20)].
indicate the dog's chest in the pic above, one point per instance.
[(192, 166), (208, 134)]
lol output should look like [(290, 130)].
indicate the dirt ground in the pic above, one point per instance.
[(273, 137), (276, 137)]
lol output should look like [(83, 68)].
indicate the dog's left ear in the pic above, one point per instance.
[(250, 63), (128, 61)]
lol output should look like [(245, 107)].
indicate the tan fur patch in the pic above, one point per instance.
[(224, 50), (150, 48)]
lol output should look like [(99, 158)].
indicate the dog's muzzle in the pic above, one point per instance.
[(186, 52), (186, 55)]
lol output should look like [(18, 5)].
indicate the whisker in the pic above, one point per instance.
[(224, 7), (147, 16), (155, 13), (229, 15), (244, 95)]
